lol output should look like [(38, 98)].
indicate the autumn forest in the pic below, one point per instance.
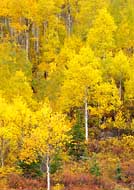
[(67, 95)]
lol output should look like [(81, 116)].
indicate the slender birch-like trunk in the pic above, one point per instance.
[(86, 119), (27, 37), (48, 173), (45, 25), (27, 45), (37, 40), (120, 89), (69, 19), (34, 35), (1, 29), (2, 152)]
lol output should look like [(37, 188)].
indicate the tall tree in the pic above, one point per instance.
[(50, 135), (119, 70), (80, 79), (101, 34)]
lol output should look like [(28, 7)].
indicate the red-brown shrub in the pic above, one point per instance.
[(83, 187), (106, 183), (18, 182), (128, 171), (77, 179)]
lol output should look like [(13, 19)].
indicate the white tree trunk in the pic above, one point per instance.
[(86, 120), (2, 160), (120, 89), (34, 34), (2, 153), (2, 30), (37, 40), (69, 19), (48, 173), (27, 45), (45, 25)]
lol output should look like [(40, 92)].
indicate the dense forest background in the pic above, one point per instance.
[(67, 94)]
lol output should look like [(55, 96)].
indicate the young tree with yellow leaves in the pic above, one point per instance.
[(16, 121), (81, 77), (106, 102), (101, 34), (120, 69), (49, 136)]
